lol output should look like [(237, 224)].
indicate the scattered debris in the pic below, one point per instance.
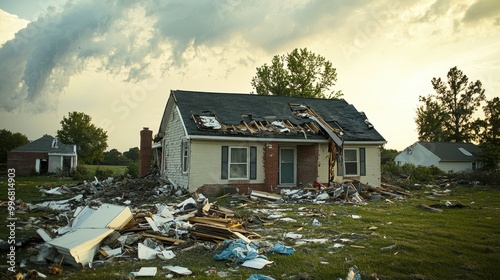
[(146, 218), (432, 209), (145, 271)]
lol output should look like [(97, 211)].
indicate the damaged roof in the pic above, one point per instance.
[(220, 114), (46, 144)]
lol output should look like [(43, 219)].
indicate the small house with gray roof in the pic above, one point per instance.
[(453, 157), (208, 141), (44, 155)]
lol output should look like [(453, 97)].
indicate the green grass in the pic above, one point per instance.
[(116, 169), (455, 244)]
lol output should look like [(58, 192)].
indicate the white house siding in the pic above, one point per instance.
[(323, 163), (455, 166), (172, 143), (417, 155), (373, 169), (205, 162)]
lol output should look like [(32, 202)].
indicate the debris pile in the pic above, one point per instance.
[(349, 191), (149, 218)]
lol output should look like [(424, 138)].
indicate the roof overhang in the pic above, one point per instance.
[(254, 139), (365, 142)]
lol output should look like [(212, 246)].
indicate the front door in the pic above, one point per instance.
[(287, 166)]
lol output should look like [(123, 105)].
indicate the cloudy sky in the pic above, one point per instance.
[(118, 60)]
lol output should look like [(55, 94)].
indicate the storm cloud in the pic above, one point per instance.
[(133, 39)]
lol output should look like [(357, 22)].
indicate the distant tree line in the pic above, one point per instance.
[(115, 157), (448, 115)]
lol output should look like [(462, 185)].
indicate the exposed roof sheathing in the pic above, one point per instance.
[(253, 115)]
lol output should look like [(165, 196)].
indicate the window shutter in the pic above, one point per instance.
[(253, 163), (362, 162), (224, 162), (340, 166)]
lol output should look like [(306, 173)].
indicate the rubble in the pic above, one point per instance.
[(146, 218)]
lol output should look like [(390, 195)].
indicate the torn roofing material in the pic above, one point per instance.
[(255, 111), (92, 226)]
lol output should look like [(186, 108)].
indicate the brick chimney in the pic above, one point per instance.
[(146, 151)]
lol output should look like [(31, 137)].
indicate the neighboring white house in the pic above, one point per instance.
[(446, 156), (211, 140)]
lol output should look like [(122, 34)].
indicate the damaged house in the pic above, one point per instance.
[(44, 155), (213, 141)]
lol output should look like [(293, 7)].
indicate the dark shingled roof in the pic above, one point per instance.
[(229, 108), (452, 151), (44, 145)]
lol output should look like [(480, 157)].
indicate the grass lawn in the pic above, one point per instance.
[(390, 240), (116, 169)]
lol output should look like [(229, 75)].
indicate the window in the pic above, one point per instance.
[(351, 161), (185, 156), (238, 163)]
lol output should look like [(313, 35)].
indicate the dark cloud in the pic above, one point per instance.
[(124, 37), (129, 39), (483, 9)]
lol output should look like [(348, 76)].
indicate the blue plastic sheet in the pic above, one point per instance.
[(282, 249), (259, 277), (238, 251)]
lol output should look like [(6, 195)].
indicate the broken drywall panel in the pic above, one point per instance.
[(110, 216), (166, 255), (146, 253), (44, 235), (80, 246), (257, 263), (178, 269), (152, 224), (145, 272), (81, 215)]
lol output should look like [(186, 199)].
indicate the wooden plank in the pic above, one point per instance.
[(164, 238)]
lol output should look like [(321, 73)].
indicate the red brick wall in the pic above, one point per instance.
[(146, 152), (24, 162), (307, 164), (271, 166)]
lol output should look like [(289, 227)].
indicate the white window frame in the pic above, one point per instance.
[(357, 162), (230, 163), (185, 156)]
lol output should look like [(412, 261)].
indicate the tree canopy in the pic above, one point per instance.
[(9, 141), (447, 116), (300, 73), (91, 141)]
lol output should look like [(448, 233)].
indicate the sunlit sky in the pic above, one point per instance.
[(118, 60)]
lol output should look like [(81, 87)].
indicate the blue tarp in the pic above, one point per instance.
[(238, 251), (259, 277), (282, 249)]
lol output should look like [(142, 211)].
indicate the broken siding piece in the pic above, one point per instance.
[(80, 246)]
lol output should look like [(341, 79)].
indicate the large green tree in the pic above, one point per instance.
[(299, 73), (447, 116), (9, 141), (132, 154), (488, 132), (91, 141)]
